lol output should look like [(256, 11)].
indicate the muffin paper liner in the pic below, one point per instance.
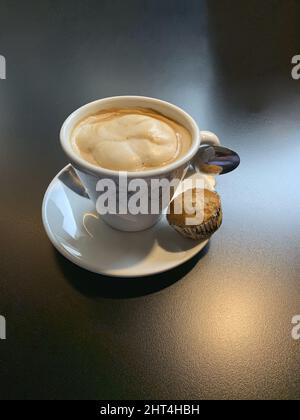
[(203, 231)]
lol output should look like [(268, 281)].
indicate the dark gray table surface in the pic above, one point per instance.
[(217, 327)]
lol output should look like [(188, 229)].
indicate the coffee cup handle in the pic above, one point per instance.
[(207, 137)]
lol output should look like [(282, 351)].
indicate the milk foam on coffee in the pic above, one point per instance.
[(130, 139)]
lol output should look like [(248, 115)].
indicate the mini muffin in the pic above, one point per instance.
[(200, 213)]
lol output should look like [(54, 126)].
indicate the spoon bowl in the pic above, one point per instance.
[(216, 160)]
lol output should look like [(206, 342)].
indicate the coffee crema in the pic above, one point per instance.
[(130, 139)]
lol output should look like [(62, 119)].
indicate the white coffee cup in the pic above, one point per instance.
[(90, 174)]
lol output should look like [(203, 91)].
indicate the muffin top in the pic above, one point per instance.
[(198, 204)]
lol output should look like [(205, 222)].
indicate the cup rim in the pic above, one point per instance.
[(81, 112)]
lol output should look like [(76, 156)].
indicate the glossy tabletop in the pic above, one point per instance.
[(218, 327)]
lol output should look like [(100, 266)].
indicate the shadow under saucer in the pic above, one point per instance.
[(96, 285)]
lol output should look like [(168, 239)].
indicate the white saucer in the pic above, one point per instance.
[(78, 233)]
